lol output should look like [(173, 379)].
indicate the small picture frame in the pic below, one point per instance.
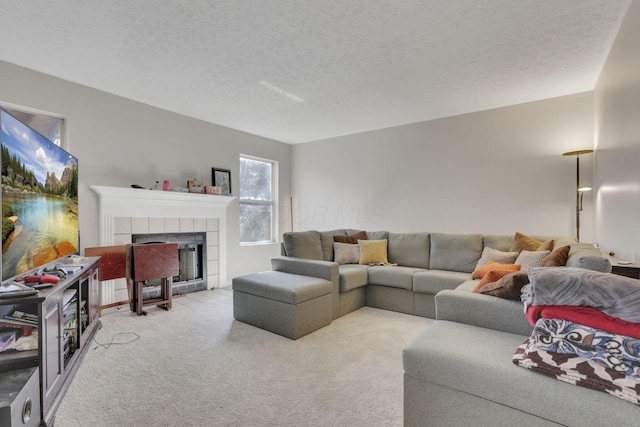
[(222, 178), (195, 186)]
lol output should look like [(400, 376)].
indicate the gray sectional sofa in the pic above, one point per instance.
[(425, 264), (458, 372)]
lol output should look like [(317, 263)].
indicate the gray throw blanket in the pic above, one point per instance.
[(615, 295)]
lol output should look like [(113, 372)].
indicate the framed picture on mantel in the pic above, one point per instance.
[(222, 178)]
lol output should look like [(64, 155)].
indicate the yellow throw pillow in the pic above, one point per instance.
[(373, 251)]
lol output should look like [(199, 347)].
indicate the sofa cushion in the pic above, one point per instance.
[(280, 286), (490, 254), (326, 241), (352, 277), (377, 235), (584, 255), (373, 251), (346, 253), (455, 252), (409, 249), (393, 276), (557, 258), (483, 367), (462, 305), (351, 238), (303, 244), (479, 273), (530, 259), (499, 242), (508, 287), (523, 242), (433, 281), (491, 277)]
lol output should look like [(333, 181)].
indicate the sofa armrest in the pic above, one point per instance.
[(584, 255), (327, 270), (305, 267), (481, 310)]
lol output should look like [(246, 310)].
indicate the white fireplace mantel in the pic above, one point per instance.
[(122, 202)]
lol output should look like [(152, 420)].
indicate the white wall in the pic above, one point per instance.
[(497, 171), (617, 103), (120, 142)]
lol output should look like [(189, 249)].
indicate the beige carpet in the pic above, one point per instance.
[(196, 366)]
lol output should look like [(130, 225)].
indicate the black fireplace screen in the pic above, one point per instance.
[(192, 275)]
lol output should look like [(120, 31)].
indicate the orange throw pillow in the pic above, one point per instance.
[(480, 272), (494, 276)]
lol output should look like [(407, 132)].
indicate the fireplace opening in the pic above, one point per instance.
[(192, 274)]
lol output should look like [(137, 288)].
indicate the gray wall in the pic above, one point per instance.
[(120, 142), (497, 171), (617, 97)]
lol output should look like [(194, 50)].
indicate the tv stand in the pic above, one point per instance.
[(66, 321)]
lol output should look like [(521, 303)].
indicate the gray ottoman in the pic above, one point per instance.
[(286, 304)]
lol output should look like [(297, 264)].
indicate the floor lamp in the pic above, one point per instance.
[(580, 190)]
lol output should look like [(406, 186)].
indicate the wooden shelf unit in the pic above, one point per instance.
[(67, 319)]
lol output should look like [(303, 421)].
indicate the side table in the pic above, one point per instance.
[(628, 270)]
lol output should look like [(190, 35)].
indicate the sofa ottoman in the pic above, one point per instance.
[(462, 375), (287, 304)]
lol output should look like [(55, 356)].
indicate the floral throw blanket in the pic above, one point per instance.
[(583, 356)]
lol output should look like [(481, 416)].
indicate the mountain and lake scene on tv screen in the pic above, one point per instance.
[(39, 199)]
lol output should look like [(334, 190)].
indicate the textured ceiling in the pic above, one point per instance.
[(304, 70)]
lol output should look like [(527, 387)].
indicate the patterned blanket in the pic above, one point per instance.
[(613, 351), (583, 356), (577, 370)]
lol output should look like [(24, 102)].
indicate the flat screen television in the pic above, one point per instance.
[(39, 199)]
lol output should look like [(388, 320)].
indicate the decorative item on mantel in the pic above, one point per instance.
[(222, 178), (212, 189), (195, 186)]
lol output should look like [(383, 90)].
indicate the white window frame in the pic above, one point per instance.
[(273, 202), (64, 121)]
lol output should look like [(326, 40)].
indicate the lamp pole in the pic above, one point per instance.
[(577, 153)]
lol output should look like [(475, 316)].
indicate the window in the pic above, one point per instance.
[(257, 200), (47, 126)]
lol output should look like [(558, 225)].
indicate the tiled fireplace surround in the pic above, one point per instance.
[(125, 211)]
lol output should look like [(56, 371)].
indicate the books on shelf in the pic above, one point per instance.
[(22, 314), (71, 268), (68, 296)]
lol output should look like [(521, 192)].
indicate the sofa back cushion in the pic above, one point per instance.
[(303, 244), (326, 242), (501, 243), (377, 235), (455, 252), (409, 249)]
